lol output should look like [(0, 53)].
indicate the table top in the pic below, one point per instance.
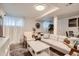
[(38, 46)]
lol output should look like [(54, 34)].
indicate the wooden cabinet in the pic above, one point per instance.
[(73, 25), (73, 22)]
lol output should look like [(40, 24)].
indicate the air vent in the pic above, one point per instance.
[(69, 4)]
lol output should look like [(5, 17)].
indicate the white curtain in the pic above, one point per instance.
[(13, 27)]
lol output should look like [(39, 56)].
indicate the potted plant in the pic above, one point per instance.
[(50, 29)]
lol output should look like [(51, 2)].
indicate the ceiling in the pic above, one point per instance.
[(52, 9), (66, 10)]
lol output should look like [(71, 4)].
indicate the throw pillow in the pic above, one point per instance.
[(46, 36), (77, 43)]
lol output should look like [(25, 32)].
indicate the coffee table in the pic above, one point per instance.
[(37, 48)]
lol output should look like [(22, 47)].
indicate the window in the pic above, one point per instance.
[(12, 21), (46, 24), (19, 23)]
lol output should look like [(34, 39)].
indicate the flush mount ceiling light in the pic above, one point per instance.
[(40, 7)]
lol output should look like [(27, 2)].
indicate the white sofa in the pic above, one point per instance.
[(56, 42)]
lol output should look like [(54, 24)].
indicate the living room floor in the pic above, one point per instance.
[(19, 50)]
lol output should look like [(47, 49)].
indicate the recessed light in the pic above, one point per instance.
[(40, 7)]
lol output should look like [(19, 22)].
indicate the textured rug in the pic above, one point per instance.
[(18, 50)]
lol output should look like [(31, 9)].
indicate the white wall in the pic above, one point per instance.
[(55, 25), (29, 24), (63, 26), (45, 23)]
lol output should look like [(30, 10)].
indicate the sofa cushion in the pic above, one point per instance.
[(61, 38), (72, 41), (57, 45), (54, 37), (46, 36), (68, 43), (76, 43)]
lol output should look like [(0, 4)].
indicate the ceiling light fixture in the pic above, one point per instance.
[(40, 7)]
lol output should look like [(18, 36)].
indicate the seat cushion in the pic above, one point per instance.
[(61, 38), (46, 36), (58, 45), (54, 37), (77, 43)]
